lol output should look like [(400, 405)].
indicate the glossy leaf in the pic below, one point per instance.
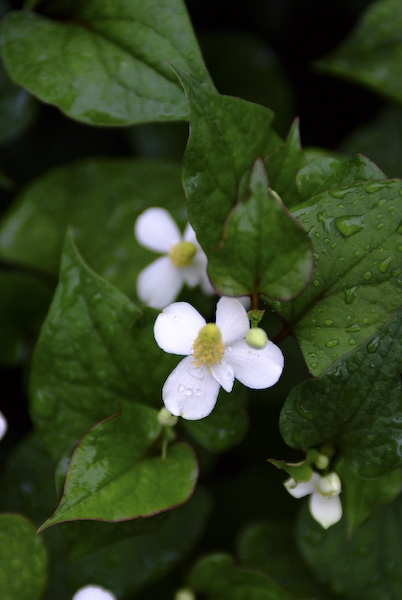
[(94, 352), (270, 548), (217, 576), (226, 426), (23, 559), (100, 199), (103, 63), (365, 565), (24, 301), (356, 285), (227, 135), (326, 173), (370, 56), (264, 250), (114, 476), (282, 166), (360, 496), (346, 405)]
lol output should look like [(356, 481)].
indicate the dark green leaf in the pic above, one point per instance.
[(357, 236), (217, 576), (367, 565), (101, 199), (347, 405), (360, 496), (264, 250), (17, 108), (326, 173), (371, 54), (24, 301), (112, 475), (271, 549), (227, 135), (23, 559), (94, 352), (106, 63), (283, 165), (226, 426)]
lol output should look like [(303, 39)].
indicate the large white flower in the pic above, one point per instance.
[(217, 354), (93, 592), (183, 262), (324, 502)]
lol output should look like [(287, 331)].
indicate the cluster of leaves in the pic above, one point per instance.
[(314, 237)]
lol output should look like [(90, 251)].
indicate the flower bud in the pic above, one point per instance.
[(184, 594), (166, 419), (256, 338)]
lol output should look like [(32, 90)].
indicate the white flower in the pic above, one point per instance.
[(324, 502), (3, 425), (93, 592), (184, 262), (217, 354)]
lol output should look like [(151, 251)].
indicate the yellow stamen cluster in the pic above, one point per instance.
[(182, 254), (208, 348)]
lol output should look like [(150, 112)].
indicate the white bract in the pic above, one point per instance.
[(216, 355), (324, 502), (93, 592), (183, 262)]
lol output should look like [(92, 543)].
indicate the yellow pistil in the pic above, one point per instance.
[(182, 254), (208, 348)]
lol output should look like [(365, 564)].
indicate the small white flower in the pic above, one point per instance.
[(3, 425), (217, 354), (93, 592), (324, 502), (184, 262)]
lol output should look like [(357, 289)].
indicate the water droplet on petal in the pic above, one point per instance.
[(230, 349), (188, 392), (181, 388), (198, 392)]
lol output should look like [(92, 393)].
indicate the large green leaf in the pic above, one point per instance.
[(227, 135), (100, 199), (347, 405), (23, 559), (17, 108), (366, 565), (106, 63), (326, 173), (217, 576), (94, 352), (282, 166), (357, 236), (371, 54), (264, 250), (114, 476)]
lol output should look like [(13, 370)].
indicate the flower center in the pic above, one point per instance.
[(182, 254), (208, 348)]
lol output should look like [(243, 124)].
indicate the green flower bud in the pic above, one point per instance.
[(166, 419), (257, 338)]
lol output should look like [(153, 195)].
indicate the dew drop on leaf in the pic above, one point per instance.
[(350, 224), (367, 275), (350, 295), (332, 343)]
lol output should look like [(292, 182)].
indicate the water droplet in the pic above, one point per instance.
[(379, 226), (317, 235), (350, 224), (367, 275), (333, 246), (373, 345), (352, 342), (350, 294), (357, 254), (326, 221), (328, 322), (314, 365), (390, 208), (399, 248), (326, 241), (380, 203), (348, 318), (385, 264), (188, 392), (230, 349), (353, 328), (316, 282), (365, 321), (374, 186), (396, 272), (339, 193), (181, 388), (175, 318), (332, 343), (198, 392), (191, 56)]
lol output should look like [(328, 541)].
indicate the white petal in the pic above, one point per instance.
[(224, 374), (303, 488), (256, 369), (156, 230), (177, 327), (3, 425), (93, 592), (194, 273), (189, 235), (326, 511), (159, 283), (232, 320), (189, 392)]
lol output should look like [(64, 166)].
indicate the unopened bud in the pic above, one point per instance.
[(256, 338), (166, 419), (184, 594)]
